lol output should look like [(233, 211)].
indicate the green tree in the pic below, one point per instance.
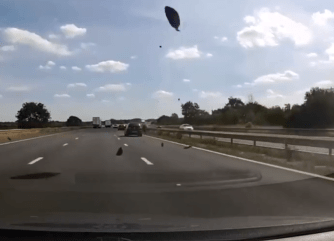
[(73, 121), (234, 103), (32, 115), (189, 111)]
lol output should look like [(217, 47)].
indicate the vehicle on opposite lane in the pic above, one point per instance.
[(186, 127), (133, 129)]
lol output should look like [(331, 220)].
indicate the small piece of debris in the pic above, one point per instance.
[(119, 152), (162, 144), (9, 138), (178, 185), (160, 46), (187, 147)]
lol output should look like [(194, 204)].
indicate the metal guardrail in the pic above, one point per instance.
[(282, 131), (323, 142)]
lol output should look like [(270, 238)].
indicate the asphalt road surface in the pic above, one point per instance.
[(148, 180)]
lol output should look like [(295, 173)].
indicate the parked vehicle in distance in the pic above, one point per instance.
[(133, 129), (186, 127), (159, 127), (103, 126), (121, 127), (107, 123), (115, 126), (97, 122)]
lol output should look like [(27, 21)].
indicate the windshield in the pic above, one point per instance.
[(95, 94)]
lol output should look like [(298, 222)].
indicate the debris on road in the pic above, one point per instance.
[(9, 139), (162, 144), (187, 147), (119, 152)]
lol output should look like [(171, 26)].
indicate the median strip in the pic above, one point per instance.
[(146, 161), (36, 160)]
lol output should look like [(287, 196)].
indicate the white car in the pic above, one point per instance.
[(186, 127)]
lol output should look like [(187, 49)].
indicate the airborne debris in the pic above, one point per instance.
[(179, 99), (187, 147), (119, 152), (160, 46), (173, 17)]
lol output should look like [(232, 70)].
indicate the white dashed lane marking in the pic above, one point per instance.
[(146, 161), (36, 160)]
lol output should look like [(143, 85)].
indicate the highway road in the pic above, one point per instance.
[(149, 182)]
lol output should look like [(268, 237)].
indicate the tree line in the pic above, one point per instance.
[(317, 111)]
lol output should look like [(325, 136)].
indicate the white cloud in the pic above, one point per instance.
[(48, 65), (208, 94), (195, 90), (71, 31), (272, 94), (216, 37), (249, 20), (105, 101), (62, 67), (208, 55), (62, 96), (76, 68), (133, 57), (184, 53), (288, 75), (321, 19), (54, 36), (19, 36), (186, 80), (90, 95), (128, 84), (270, 91), (161, 94), (21, 88), (87, 45), (312, 55), (110, 65), (76, 85), (111, 88), (237, 86), (324, 84), (7, 48), (269, 28), (224, 39), (121, 98), (330, 52)]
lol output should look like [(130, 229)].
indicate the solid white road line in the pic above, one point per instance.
[(36, 160), (125, 144), (146, 161), (65, 144), (249, 160)]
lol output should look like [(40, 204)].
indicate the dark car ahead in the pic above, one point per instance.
[(133, 129), (121, 127)]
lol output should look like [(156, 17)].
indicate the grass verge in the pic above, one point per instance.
[(15, 135), (308, 162)]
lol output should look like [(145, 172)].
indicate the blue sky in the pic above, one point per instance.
[(102, 58)]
